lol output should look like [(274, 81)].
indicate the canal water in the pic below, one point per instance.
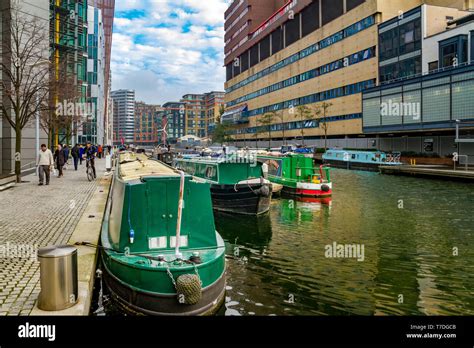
[(415, 239)]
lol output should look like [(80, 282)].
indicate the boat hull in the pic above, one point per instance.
[(245, 199), (305, 192), (371, 167), (139, 302)]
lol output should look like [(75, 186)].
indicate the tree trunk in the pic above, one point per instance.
[(18, 135), (325, 141), (302, 134), (269, 140)]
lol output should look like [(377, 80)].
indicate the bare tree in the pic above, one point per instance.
[(267, 121), (281, 116), (305, 113), (64, 93), (25, 77), (323, 122)]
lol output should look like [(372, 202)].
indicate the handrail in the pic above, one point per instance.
[(409, 77)]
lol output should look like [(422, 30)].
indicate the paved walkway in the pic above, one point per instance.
[(33, 216)]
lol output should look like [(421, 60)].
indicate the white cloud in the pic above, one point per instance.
[(164, 49)]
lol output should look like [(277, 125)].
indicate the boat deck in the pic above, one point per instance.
[(134, 167)]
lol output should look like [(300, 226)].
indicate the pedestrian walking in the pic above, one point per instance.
[(99, 151), (90, 155), (45, 162), (75, 153), (60, 160), (81, 154), (66, 153)]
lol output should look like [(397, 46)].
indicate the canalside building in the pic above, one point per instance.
[(426, 84), (306, 53)]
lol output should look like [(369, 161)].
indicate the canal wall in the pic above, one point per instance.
[(442, 145)]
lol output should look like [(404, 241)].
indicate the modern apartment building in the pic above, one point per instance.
[(426, 67), (107, 8), (30, 11), (93, 129), (196, 117), (124, 116), (214, 103), (69, 35), (173, 122), (306, 53), (147, 124)]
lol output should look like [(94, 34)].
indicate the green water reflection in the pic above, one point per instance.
[(418, 238)]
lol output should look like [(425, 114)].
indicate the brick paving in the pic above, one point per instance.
[(31, 217)]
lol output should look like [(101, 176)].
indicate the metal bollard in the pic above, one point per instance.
[(58, 273), (108, 163)]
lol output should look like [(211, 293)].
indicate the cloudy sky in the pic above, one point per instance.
[(164, 49)]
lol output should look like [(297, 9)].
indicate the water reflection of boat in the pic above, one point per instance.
[(253, 230), (317, 201), (304, 209)]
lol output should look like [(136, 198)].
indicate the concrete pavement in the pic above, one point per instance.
[(31, 217)]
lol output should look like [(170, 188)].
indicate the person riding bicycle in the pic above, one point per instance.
[(90, 156)]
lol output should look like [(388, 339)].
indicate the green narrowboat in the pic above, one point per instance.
[(160, 252), (298, 175), (237, 182)]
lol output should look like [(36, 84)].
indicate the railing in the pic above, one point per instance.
[(23, 168), (447, 68)]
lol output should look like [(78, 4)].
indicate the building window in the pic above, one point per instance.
[(432, 66), (265, 48), (292, 30), (453, 51), (277, 41), (353, 3), (332, 9), (310, 18)]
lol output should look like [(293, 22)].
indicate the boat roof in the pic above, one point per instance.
[(135, 166)]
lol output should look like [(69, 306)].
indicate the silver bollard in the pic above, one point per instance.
[(58, 273)]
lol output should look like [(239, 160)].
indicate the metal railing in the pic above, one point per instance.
[(447, 68)]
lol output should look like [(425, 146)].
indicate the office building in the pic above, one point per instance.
[(39, 12), (147, 124), (306, 53), (418, 111), (124, 116)]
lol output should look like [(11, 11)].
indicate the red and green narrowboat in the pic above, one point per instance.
[(160, 252), (298, 175)]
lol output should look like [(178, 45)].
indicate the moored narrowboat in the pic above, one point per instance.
[(160, 252), (298, 175), (237, 183), (361, 160)]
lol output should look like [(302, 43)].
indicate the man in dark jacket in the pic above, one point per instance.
[(75, 155), (60, 160)]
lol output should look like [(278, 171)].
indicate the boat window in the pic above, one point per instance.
[(210, 172), (353, 156)]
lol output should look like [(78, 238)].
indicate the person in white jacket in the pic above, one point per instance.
[(45, 163)]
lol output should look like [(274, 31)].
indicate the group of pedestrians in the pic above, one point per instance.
[(47, 161)]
